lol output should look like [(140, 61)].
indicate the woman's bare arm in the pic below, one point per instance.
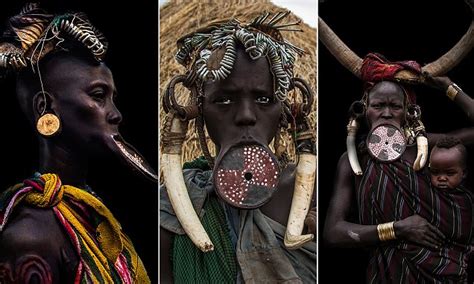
[(341, 233), (462, 100)]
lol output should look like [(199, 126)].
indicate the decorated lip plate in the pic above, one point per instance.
[(386, 143), (247, 176)]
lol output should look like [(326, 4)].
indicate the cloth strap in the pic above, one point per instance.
[(106, 254)]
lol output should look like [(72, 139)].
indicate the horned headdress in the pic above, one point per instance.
[(404, 72), (33, 33)]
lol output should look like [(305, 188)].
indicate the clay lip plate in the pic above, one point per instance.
[(247, 176), (386, 143)]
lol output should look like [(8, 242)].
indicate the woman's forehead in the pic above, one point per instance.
[(76, 69), (387, 91), (246, 66), (246, 73)]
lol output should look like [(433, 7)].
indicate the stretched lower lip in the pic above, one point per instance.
[(133, 158), (385, 121), (247, 142)]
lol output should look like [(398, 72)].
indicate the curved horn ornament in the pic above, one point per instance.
[(305, 174), (422, 153), (456, 54), (339, 49), (175, 186), (418, 131), (352, 128), (304, 187), (439, 67), (356, 110)]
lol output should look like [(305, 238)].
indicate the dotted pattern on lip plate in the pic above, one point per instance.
[(386, 143), (247, 176)]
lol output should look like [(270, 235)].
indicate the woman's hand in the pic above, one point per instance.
[(440, 83), (416, 229)]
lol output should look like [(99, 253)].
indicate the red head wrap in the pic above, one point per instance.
[(376, 68)]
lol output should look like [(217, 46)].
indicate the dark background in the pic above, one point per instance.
[(132, 32), (400, 30)]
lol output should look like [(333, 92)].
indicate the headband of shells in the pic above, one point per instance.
[(33, 33), (260, 38)]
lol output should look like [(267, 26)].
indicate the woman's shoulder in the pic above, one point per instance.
[(35, 232), (30, 227)]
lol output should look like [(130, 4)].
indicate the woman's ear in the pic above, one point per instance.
[(47, 122), (41, 103)]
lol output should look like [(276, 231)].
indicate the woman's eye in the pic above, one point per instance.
[(98, 96), (223, 101), (264, 100), (397, 107)]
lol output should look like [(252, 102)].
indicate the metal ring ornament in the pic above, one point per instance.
[(226, 64), (170, 102), (84, 33), (307, 93)]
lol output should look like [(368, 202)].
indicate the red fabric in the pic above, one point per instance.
[(394, 191), (376, 68)]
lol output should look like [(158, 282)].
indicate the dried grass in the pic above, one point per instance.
[(178, 18)]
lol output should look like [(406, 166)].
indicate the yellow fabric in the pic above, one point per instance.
[(92, 249), (141, 275), (109, 240), (108, 231), (49, 197)]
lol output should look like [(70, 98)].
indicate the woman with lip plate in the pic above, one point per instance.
[(227, 219), (53, 227), (415, 233)]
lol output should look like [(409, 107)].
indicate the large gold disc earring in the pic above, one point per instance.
[(48, 124)]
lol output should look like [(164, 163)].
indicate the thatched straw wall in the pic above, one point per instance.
[(178, 18)]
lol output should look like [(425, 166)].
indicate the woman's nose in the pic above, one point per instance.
[(386, 113), (114, 116), (245, 115)]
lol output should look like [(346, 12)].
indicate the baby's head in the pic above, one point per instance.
[(448, 163)]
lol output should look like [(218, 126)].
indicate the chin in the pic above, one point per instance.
[(99, 146), (443, 186)]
